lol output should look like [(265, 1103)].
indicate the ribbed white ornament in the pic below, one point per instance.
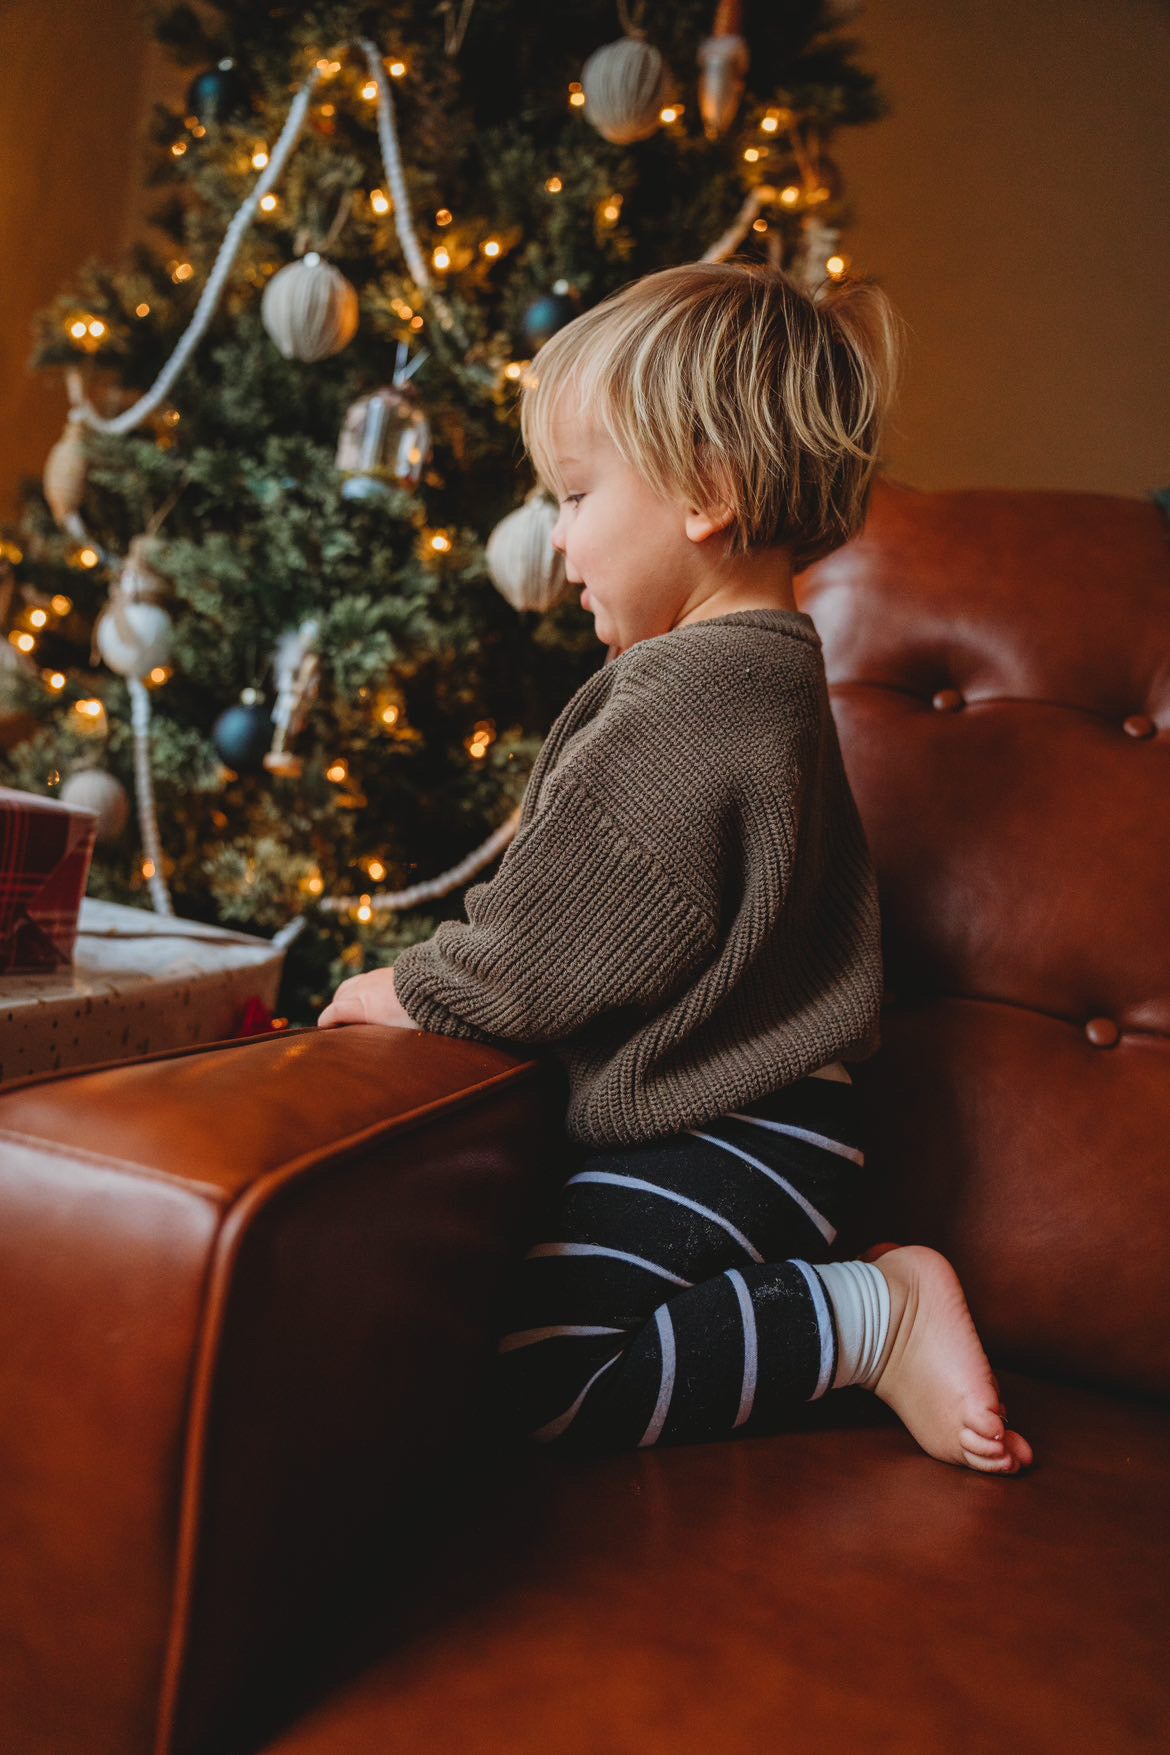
[(524, 566), (134, 637), (626, 84), (94, 789), (310, 309)]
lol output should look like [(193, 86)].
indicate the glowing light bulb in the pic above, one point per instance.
[(376, 870), (379, 201), (513, 369), (444, 216), (752, 154), (142, 310), (24, 642), (554, 185), (181, 271), (440, 543), (61, 605), (396, 69), (148, 868), (37, 617), (56, 680), (315, 884), (416, 322), (365, 911), (671, 113), (769, 124), (87, 558), (179, 148), (160, 674), (78, 329), (337, 772), (836, 266), (96, 328), (268, 203), (370, 90), (491, 247), (790, 195), (259, 158), (759, 225), (389, 715), (441, 259), (577, 98)]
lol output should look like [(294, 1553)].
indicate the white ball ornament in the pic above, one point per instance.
[(524, 566), (626, 84), (132, 637), (94, 789), (310, 309)]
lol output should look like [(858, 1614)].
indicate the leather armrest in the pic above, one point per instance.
[(248, 1294)]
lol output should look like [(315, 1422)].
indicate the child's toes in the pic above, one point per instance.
[(992, 1448)]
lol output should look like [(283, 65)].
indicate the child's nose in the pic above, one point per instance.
[(558, 540)]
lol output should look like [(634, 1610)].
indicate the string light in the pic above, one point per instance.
[(92, 714), (611, 210), (790, 194), (370, 91), (440, 542), (835, 267), (337, 772), (269, 203), (10, 552), (365, 909), (376, 870), (313, 884), (576, 94), (514, 368), (142, 310), (440, 258), (328, 110), (416, 323), (23, 642), (752, 154), (179, 148), (379, 201), (481, 739), (554, 185), (327, 68), (148, 868), (769, 124), (87, 558), (396, 69), (259, 158), (671, 113), (444, 216), (161, 674), (37, 617), (181, 271), (491, 247), (55, 680), (60, 604)]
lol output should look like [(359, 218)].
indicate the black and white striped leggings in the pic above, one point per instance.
[(674, 1299)]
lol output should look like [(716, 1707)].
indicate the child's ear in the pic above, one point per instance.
[(699, 524)]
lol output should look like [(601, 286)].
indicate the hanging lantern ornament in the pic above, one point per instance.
[(548, 314), (64, 474), (298, 677), (310, 309), (134, 634), (95, 789), (724, 60), (626, 84), (242, 733), (524, 566), (386, 438)]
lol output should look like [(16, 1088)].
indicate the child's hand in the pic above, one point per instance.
[(367, 999)]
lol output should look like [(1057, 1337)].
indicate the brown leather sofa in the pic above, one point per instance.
[(251, 1498)]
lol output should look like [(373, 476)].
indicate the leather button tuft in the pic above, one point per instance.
[(1139, 725), (1102, 1032), (947, 701)]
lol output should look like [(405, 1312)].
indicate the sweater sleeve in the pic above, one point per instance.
[(580, 919)]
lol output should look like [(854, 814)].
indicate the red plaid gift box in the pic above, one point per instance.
[(45, 853)]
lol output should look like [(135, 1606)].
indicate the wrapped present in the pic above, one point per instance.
[(45, 852), (139, 982)]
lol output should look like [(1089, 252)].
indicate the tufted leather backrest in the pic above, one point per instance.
[(999, 666)]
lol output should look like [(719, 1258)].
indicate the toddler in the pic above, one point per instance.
[(687, 916)]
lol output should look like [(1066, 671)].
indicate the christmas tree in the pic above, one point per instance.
[(284, 609)]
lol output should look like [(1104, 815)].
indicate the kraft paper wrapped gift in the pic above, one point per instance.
[(45, 852), (140, 981)]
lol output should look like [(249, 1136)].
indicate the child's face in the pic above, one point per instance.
[(639, 557)]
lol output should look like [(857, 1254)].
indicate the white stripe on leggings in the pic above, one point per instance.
[(526, 1337), (666, 1382), (824, 1326), (827, 1231), (603, 1249), (800, 1133), (669, 1194), (747, 1394), (554, 1428)]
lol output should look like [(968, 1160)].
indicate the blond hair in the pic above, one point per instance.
[(725, 384)]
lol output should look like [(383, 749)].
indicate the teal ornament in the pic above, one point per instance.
[(242, 734), (218, 95), (548, 314)]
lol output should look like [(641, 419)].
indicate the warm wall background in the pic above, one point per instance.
[(1013, 205)]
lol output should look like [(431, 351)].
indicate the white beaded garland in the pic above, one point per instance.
[(310, 309), (524, 566)]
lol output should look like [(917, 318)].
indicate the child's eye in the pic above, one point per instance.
[(570, 498)]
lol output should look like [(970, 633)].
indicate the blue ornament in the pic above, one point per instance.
[(549, 314), (243, 733), (218, 95)]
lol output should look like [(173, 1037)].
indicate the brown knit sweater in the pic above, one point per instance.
[(688, 914)]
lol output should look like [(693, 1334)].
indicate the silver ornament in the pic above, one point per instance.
[(625, 84), (524, 566), (94, 789), (310, 309)]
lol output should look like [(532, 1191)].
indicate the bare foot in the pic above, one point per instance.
[(936, 1376)]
